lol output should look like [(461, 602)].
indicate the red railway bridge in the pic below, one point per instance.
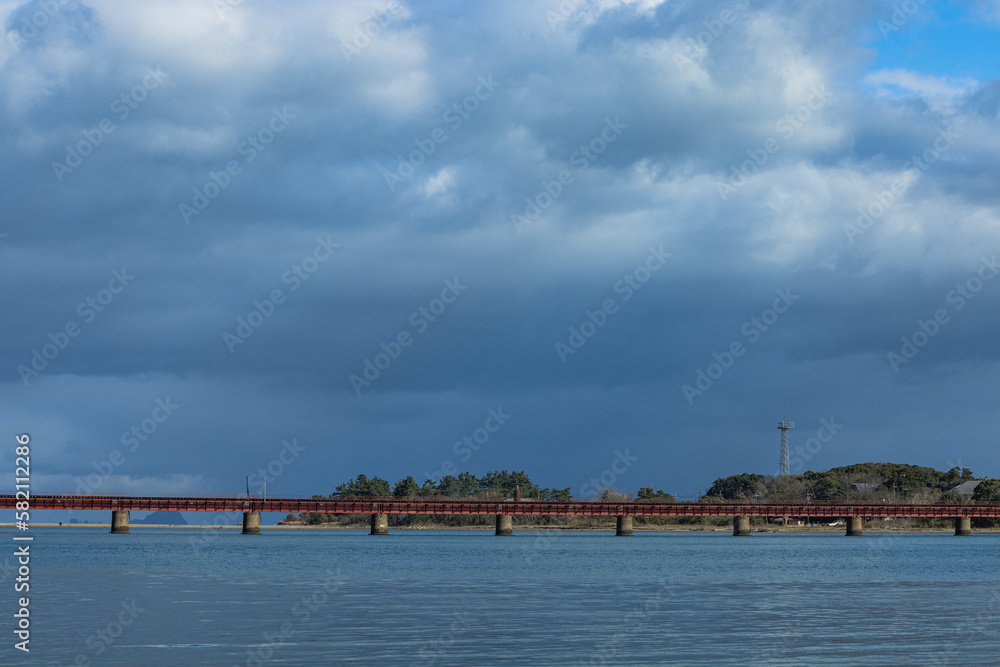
[(506, 509)]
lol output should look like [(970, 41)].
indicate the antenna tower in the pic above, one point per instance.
[(784, 427)]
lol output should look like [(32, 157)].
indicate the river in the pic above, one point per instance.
[(331, 597)]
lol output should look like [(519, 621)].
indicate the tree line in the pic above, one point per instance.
[(494, 484), (862, 482)]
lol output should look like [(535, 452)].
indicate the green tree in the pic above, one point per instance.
[(987, 490), (954, 477), (405, 488), (900, 477), (738, 487), (647, 493), (609, 495), (555, 494), (468, 485), (502, 484), (449, 487), (362, 486), (823, 485)]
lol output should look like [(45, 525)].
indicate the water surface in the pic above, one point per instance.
[(215, 597)]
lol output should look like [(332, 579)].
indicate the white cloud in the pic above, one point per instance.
[(940, 93), (440, 182), (658, 182)]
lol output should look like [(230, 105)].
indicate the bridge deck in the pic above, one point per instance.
[(457, 506)]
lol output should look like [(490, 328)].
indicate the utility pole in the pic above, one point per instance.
[(784, 427)]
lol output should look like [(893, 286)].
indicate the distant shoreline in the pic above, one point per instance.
[(517, 528)]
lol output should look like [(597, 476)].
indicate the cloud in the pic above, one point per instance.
[(617, 127), (940, 93), (440, 182)]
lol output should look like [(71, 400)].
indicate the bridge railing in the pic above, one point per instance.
[(488, 499)]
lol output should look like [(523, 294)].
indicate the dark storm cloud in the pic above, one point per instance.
[(742, 144)]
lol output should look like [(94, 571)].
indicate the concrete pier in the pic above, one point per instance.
[(251, 523), (119, 521), (963, 525), (505, 524), (854, 526), (624, 526), (380, 524), (741, 526)]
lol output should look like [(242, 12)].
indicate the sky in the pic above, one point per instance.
[(607, 242)]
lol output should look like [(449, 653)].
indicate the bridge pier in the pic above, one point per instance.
[(251, 523), (854, 526), (380, 524), (624, 526), (119, 521), (741, 526), (963, 525), (505, 524)]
